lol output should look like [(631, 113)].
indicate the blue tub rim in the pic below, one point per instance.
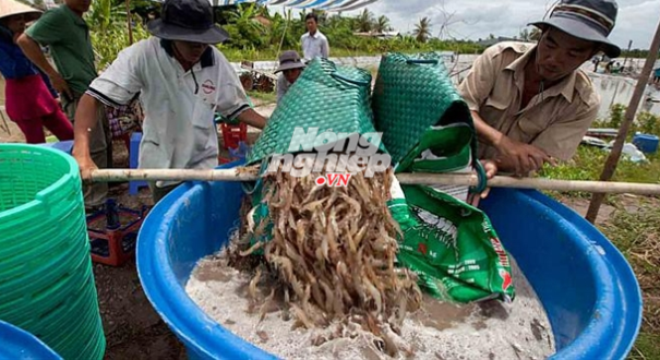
[(23, 345), (181, 316)]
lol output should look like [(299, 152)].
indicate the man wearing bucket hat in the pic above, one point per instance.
[(182, 80), (531, 104), (290, 68)]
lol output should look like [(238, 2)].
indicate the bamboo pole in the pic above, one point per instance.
[(629, 117), (245, 174), (128, 20)]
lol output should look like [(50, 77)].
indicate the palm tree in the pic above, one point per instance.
[(382, 24), (422, 30), (365, 21)]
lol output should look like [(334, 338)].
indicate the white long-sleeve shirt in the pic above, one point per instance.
[(314, 46)]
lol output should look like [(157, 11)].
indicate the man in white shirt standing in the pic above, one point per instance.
[(314, 43), (182, 80)]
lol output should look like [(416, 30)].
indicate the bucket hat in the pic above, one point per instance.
[(290, 60), (187, 20), (10, 8), (591, 20)]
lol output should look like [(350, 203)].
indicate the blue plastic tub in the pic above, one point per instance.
[(646, 143), (588, 289), (18, 344)]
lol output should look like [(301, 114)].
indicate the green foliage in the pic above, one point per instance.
[(635, 233), (109, 30), (257, 34), (423, 30), (587, 164), (636, 53), (648, 123), (616, 115), (645, 122), (263, 97)]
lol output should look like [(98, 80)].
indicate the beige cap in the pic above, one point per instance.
[(12, 7)]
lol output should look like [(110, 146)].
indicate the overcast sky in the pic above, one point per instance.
[(637, 19)]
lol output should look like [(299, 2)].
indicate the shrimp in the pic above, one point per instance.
[(284, 265), (253, 284), (252, 249)]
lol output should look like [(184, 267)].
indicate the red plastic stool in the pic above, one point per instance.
[(114, 244), (233, 134)]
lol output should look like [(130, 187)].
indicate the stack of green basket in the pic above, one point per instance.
[(46, 281)]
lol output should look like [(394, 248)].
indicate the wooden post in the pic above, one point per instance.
[(625, 60), (128, 21), (629, 117)]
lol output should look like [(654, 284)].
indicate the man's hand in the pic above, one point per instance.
[(33, 52), (491, 169), (85, 121), (60, 85), (86, 165), (252, 118), (519, 157)]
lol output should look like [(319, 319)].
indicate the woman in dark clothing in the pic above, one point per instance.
[(30, 100)]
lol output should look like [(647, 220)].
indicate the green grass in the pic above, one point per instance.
[(588, 162), (637, 235), (265, 98)]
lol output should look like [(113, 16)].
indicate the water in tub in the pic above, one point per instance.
[(488, 330)]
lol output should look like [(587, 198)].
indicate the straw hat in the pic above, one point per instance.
[(12, 7)]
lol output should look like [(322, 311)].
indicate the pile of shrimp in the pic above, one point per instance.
[(330, 258)]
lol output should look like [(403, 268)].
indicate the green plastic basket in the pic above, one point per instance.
[(46, 280)]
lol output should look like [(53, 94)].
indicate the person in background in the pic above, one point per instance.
[(30, 100), (314, 43), (532, 105), (291, 66), (182, 79), (65, 32)]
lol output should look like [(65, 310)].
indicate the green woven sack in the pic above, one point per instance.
[(414, 104), (324, 98)]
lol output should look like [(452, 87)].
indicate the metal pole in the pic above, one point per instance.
[(629, 117), (625, 60)]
